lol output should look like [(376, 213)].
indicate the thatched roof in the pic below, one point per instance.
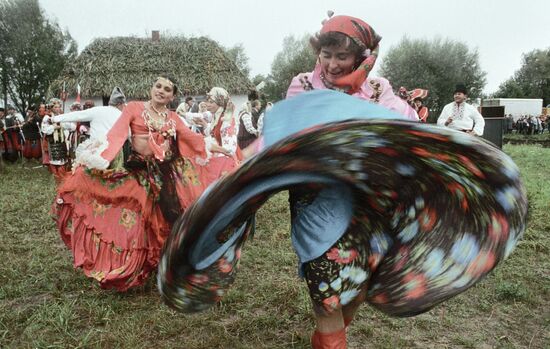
[(132, 63)]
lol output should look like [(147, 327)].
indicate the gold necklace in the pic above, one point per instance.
[(163, 114), (154, 123)]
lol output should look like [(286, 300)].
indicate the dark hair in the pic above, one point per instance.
[(253, 95), (336, 39), (187, 99), (172, 80), (88, 104)]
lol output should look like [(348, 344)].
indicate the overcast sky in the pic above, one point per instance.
[(501, 30)]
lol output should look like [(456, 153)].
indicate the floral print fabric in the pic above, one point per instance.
[(115, 221), (435, 210)]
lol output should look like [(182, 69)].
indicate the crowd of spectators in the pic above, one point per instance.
[(527, 124)]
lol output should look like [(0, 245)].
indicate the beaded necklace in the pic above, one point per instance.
[(155, 124), (164, 125)]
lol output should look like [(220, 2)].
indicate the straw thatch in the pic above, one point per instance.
[(133, 64)]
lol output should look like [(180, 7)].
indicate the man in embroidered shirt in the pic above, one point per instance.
[(101, 119), (460, 115)]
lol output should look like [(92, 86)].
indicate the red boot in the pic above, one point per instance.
[(332, 340)]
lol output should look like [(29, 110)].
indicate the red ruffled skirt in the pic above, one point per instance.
[(115, 222)]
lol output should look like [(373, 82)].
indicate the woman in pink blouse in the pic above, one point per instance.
[(115, 220), (222, 131), (347, 49)]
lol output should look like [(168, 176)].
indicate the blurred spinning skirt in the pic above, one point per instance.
[(412, 213)]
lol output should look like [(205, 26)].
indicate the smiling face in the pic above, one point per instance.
[(336, 62), (459, 97), (211, 105), (162, 92)]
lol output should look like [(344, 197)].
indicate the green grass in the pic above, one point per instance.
[(45, 303), (518, 136)]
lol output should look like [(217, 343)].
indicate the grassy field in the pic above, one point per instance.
[(527, 138), (45, 303)]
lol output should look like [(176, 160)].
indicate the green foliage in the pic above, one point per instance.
[(257, 79), (239, 57), (34, 51), (532, 80), (510, 89), (296, 57), (436, 65)]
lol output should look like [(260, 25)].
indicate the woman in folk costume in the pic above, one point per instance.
[(32, 148), (115, 221), (347, 49), (42, 112), (421, 109), (395, 213), (10, 129), (416, 99), (223, 131), (58, 136)]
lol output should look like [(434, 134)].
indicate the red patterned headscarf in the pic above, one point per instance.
[(363, 35)]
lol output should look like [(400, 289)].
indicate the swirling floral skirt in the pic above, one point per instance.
[(434, 211)]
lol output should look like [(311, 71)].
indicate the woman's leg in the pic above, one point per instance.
[(349, 310), (330, 332), (331, 322)]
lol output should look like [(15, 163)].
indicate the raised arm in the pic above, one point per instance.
[(75, 116), (299, 84), (99, 152), (393, 102), (118, 134), (69, 126)]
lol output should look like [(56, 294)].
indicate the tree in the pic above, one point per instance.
[(239, 56), (296, 57), (532, 80), (34, 51), (509, 89), (436, 65), (258, 79)]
